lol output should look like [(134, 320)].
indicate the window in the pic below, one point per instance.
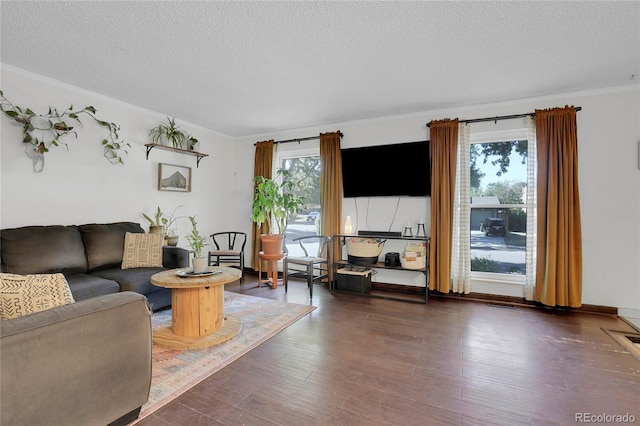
[(498, 188), (304, 169)]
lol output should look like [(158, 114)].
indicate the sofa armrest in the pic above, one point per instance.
[(84, 363), (175, 257)]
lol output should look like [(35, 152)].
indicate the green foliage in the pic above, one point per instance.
[(507, 192), (168, 219), (163, 219), (502, 150), (484, 264), (157, 221), (196, 241), (274, 201), (53, 125), (305, 172), (172, 133)]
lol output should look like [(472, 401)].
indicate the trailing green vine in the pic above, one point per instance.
[(40, 131)]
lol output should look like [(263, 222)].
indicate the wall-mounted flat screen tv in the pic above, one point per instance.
[(387, 170)]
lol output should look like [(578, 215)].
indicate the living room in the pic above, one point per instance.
[(78, 186)]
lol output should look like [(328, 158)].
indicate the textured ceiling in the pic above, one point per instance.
[(243, 68)]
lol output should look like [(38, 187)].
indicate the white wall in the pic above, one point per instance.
[(608, 135), (79, 186)]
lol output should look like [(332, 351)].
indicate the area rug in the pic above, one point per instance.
[(177, 370), (627, 339)]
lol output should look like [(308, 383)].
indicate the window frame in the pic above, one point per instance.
[(494, 280), (284, 154)]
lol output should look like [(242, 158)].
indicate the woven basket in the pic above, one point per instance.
[(419, 263), (364, 247)]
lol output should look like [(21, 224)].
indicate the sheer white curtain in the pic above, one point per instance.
[(532, 213), (461, 250)]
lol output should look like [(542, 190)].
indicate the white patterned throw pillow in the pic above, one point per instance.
[(22, 295), (142, 250)]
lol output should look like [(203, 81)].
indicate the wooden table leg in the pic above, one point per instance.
[(274, 273), (268, 272)]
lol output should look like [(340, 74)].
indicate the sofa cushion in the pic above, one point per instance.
[(85, 286), (104, 243), (137, 279), (22, 295), (142, 251), (42, 250)]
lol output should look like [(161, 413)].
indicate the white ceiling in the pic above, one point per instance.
[(245, 68)]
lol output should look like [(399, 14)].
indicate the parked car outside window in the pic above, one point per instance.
[(494, 226), (312, 216)]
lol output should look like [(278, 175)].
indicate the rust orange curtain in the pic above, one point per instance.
[(331, 189), (559, 267), (262, 166), (444, 148)]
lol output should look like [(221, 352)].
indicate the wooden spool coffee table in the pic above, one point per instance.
[(197, 308)]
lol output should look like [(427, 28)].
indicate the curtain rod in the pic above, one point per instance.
[(309, 138), (501, 117)]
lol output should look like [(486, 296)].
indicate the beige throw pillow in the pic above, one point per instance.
[(22, 295), (142, 250)]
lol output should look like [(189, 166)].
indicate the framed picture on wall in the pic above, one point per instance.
[(174, 178)]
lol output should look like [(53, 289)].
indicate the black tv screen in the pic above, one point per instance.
[(387, 170)]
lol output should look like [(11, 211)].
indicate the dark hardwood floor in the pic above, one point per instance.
[(365, 361)]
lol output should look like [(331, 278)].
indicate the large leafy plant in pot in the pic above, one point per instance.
[(274, 201)]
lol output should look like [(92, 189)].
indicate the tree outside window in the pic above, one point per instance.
[(498, 180), (304, 171)]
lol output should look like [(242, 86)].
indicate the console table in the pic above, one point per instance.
[(402, 292)]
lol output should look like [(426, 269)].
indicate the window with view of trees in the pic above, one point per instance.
[(305, 172), (498, 180)]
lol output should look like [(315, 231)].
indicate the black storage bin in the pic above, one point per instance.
[(354, 281)]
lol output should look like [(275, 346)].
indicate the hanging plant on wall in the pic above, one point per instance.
[(41, 131)]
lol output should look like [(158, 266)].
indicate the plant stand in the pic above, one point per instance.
[(272, 268)]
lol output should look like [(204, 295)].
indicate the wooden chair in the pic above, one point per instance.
[(229, 249), (316, 265)]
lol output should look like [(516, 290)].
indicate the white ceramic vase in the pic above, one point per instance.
[(199, 265)]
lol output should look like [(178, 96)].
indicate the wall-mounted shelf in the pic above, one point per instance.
[(199, 155)]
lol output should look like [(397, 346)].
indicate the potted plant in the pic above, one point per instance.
[(170, 235), (191, 143), (155, 223), (273, 203), (162, 223), (170, 132), (197, 243)]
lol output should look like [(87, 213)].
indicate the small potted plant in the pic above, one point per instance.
[(171, 133), (191, 143), (273, 203), (168, 220), (155, 223), (163, 223), (197, 243)]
